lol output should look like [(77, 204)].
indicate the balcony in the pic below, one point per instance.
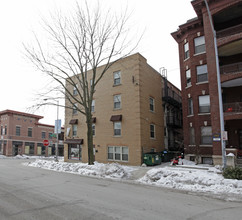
[(171, 97), (232, 108), (173, 121), (231, 68)]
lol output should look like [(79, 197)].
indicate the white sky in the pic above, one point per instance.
[(19, 81)]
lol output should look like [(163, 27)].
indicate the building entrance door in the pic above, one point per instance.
[(240, 139), (15, 150)]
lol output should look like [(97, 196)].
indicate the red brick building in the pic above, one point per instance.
[(199, 85), (21, 133)]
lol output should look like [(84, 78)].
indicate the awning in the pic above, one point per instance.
[(73, 121), (116, 118), (73, 141), (94, 120)]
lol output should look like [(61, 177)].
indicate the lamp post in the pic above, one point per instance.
[(57, 132)]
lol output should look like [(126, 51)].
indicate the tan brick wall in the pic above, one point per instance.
[(138, 82)]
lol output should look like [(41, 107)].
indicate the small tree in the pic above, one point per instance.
[(78, 44)]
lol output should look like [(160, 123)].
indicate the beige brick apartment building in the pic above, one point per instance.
[(22, 133), (128, 117)]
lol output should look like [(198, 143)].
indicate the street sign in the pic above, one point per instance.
[(46, 143), (58, 126)]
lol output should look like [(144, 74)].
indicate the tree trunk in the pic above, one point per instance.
[(90, 141)]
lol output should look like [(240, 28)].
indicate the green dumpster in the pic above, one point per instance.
[(151, 159)]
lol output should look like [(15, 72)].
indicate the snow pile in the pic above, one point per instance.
[(112, 171), (2, 157), (196, 180)]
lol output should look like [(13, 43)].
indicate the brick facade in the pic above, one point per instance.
[(21, 133), (229, 35)]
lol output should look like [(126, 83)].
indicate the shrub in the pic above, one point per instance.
[(233, 173)]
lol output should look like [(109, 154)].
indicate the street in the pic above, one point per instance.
[(34, 193)]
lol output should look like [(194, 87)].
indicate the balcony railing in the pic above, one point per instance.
[(170, 93), (234, 107), (229, 31), (231, 68), (173, 121)]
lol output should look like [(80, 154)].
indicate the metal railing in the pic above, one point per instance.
[(231, 68), (232, 107), (171, 93), (172, 120)]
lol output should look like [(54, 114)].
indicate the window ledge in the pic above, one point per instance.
[(199, 83), (197, 54), (190, 116), (116, 109), (205, 145), (117, 136), (186, 59), (204, 113), (187, 87), (114, 85)]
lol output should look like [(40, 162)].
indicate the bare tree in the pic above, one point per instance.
[(78, 45)]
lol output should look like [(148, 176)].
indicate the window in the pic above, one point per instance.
[(118, 153), (43, 134), (240, 139), (152, 104), (117, 101), (192, 136), (190, 106), (188, 77), (152, 131), (204, 104), (29, 132), (93, 129), (74, 151), (206, 135), (117, 128), (5, 130), (74, 130), (18, 130), (74, 111), (199, 43), (202, 73), (117, 78), (75, 89), (186, 50), (93, 106), (1, 130)]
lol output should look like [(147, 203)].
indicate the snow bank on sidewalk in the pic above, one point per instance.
[(113, 171), (195, 180)]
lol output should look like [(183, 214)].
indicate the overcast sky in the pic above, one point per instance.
[(20, 81)]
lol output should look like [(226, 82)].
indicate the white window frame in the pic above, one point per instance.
[(152, 104), (93, 106), (199, 45), (202, 71), (152, 131), (18, 134), (93, 129), (117, 128), (206, 132), (75, 89), (117, 101), (204, 102), (117, 78), (74, 109), (190, 106), (186, 51), (188, 77), (118, 153), (74, 130)]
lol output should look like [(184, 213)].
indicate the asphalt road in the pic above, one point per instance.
[(33, 193)]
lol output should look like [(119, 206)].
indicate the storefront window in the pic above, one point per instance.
[(74, 151)]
